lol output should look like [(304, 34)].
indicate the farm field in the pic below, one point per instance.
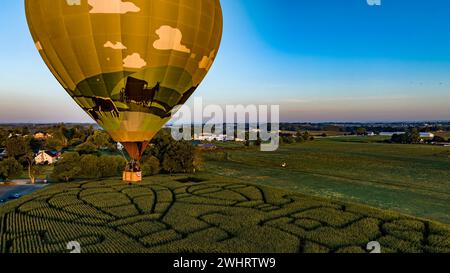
[(412, 179), (203, 214)]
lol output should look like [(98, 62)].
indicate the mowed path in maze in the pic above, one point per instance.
[(165, 215)]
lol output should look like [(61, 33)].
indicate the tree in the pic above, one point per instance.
[(22, 148), (306, 136), (286, 139), (54, 144), (100, 139), (33, 170), (397, 138), (332, 128), (36, 145), (410, 137), (439, 139), (179, 158), (17, 147), (68, 133), (58, 137), (3, 137), (361, 131), (174, 156), (75, 142), (151, 166), (68, 167), (86, 148), (10, 168), (299, 137)]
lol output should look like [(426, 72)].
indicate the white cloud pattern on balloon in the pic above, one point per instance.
[(170, 39)]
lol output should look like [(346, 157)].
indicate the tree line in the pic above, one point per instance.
[(91, 154)]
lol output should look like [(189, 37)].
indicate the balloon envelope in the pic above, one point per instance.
[(127, 63)]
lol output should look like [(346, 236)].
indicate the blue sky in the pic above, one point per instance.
[(320, 60)]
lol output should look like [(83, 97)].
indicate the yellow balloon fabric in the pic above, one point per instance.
[(127, 63)]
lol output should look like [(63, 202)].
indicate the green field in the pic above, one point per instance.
[(412, 179), (172, 214)]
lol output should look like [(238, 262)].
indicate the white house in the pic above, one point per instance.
[(46, 157)]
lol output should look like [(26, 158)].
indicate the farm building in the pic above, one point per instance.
[(427, 135), (390, 134), (422, 135), (46, 157)]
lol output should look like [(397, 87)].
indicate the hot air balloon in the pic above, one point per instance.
[(128, 63)]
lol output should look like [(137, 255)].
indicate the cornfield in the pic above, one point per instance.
[(163, 215)]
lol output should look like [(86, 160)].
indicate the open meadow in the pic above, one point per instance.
[(412, 179)]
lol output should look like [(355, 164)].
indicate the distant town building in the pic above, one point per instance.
[(371, 134), (211, 137), (46, 157)]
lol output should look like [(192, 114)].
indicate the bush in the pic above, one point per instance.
[(88, 166), (99, 167), (151, 166), (109, 166), (287, 140), (72, 166), (120, 163)]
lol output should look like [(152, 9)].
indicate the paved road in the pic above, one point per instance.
[(9, 190)]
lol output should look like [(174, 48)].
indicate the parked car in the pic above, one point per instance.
[(15, 196)]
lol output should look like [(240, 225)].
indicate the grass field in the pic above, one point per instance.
[(218, 215), (412, 179)]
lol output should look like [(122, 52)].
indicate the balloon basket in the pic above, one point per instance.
[(132, 177), (132, 173)]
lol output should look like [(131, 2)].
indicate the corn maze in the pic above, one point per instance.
[(164, 215)]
